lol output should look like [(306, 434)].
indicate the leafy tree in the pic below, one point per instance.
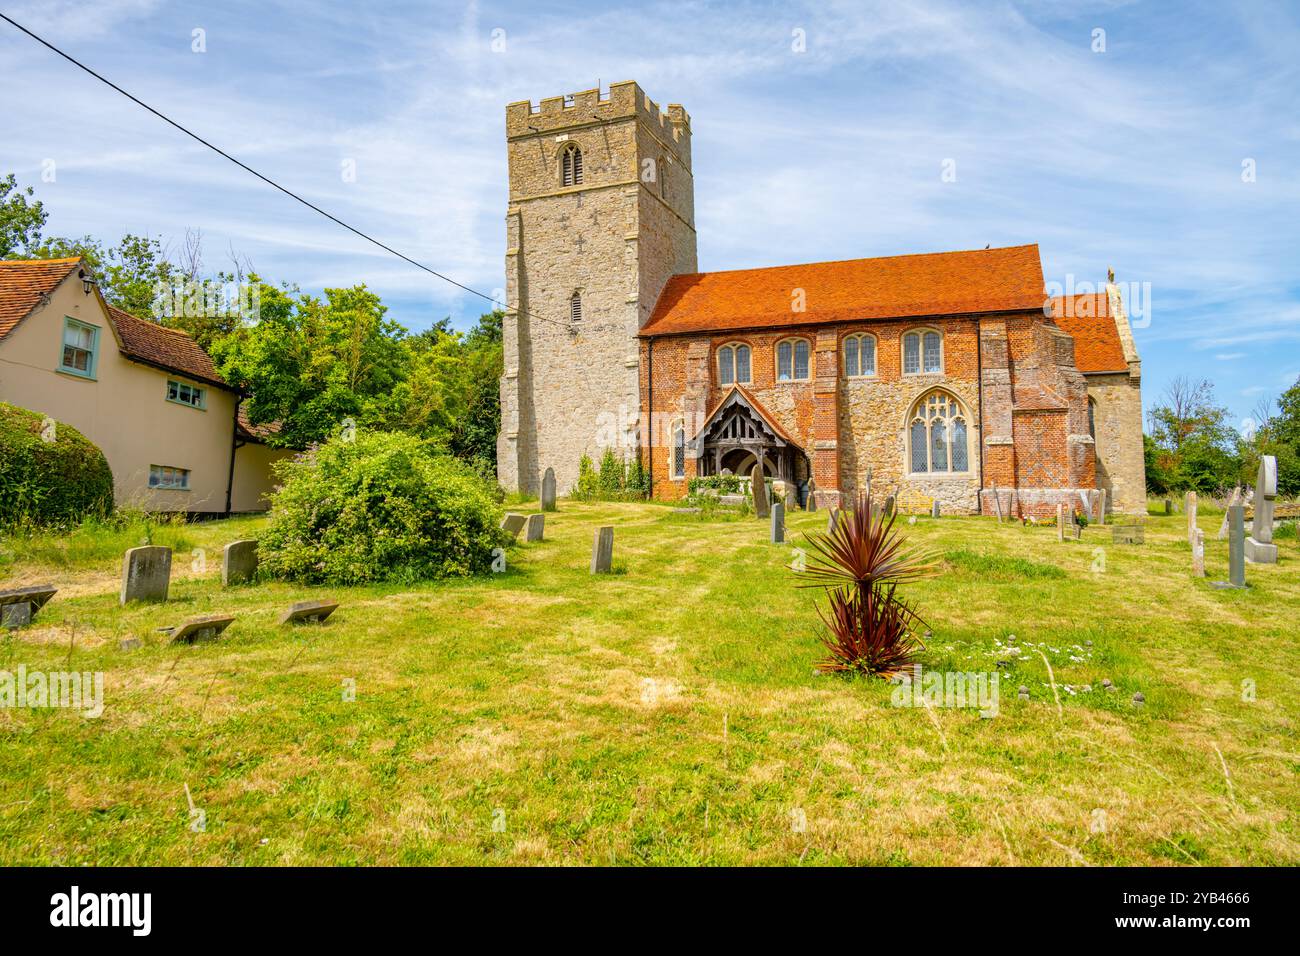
[(21, 220), (1195, 442)]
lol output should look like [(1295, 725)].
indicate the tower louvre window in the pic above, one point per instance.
[(571, 165), (575, 307)]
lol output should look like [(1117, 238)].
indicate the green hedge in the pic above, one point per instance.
[(49, 475), (383, 506)]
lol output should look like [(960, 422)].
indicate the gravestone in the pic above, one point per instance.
[(238, 562), (1189, 506), (199, 629), (1236, 549), (308, 612), (759, 489), (778, 522), (1260, 548), (146, 574), (1127, 534), (1169, 506), (1102, 497), (812, 495), (512, 524), (19, 605), (731, 500), (832, 516), (548, 490), (935, 508), (1234, 500), (888, 510), (1060, 521), (1198, 554), (779, 492), (602, 550), (534, 528)]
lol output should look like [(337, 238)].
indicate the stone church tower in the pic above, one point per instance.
[(601, 214)]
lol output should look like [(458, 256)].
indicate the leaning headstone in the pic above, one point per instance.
[(1234, 500), (238, 562), (1189, 506), (1260, 548), (1198, 554), (534, 527), (308, 612), (812, 496), (1169, 506), (602, 550), (759, 490), (832, 516), (19, 605), (778, 522), (512, 524), (1060, 521), (888, 510), (548, 490), (146, 574), (199, 629)]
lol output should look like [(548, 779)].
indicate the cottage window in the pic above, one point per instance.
[(80, 348), (186, 394), (167, 478), (860, 355), (937, 436), (792, 360), (733, 364)]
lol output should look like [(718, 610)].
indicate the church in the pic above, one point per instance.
[(949, 377)]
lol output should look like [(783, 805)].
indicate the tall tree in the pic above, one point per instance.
[(1196, 445), (21, 219)]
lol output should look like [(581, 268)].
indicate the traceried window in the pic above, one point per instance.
[(679, 451), (859, 355), (733, 364), (571, 165), (792, 360), (922, 352), (80, 343), (937, 439), (575, 307)]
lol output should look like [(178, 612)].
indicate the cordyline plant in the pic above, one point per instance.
[(860, 563)]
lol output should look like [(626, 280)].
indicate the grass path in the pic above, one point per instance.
[(666, 714)]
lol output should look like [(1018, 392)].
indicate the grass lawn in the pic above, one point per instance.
[(665, 714)]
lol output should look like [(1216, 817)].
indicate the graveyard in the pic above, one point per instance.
[(663, 711)]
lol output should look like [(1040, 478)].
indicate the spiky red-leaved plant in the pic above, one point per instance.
[(859, 563)]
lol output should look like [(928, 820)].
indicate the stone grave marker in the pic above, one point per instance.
[(19, 605), (1189, 507), (1169, 506), (1260, 548), (1198, 554), (548, 490), (759, 490), (602, 550), (1236, 549), (812, 495), (888, 509), (535, 527), (308, 612), (199, 629), (146, 574), (1060, 521), (935, 508), (731, 500), (1235, 499), (832, 516), (778, 522), (238, 562), (1102, 497), (512, 524), (1127, 534), (129, 644)]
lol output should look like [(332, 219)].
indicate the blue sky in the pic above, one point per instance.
[(1130, 158)]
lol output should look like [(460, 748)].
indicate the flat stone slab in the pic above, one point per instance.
[(309, 612), (512, 524), (146, 574), (19, 605), (199, 629), (1258, 552), (1127, 534), (238, 562)]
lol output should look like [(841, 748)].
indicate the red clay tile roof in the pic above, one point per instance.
[(164, 348), (939, 283), (258, 433), (1087, 318), (22, 285), (1036, 398)]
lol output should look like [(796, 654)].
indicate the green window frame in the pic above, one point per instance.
[(169, 478), (183, 393), (79, 349)]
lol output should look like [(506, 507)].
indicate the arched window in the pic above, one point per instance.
[(922, 352), (791, 360), (733, 364), (575, 307), (860, 355), (571, 165), (679, 451), (937, 440)]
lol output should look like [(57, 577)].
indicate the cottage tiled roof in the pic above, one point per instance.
[(940, 283), (1086, 317), (23, 283), (258, 433), (164, 348)]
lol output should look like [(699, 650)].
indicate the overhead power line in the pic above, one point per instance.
[(266, 179)]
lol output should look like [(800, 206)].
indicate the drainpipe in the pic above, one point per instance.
[(650, 412), (234, 447), (979, 387)]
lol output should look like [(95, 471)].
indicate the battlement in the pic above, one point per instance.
[(624, 100)]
